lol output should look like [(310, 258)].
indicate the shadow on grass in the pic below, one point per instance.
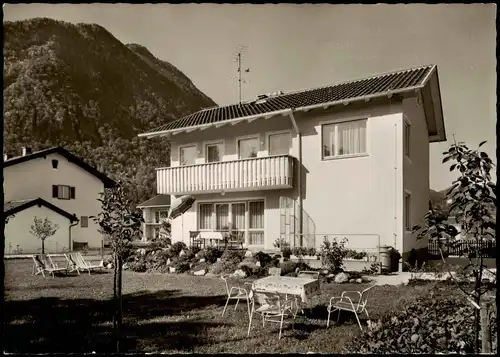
[(85, 325)]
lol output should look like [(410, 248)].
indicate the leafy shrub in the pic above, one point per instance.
[(181, 267), (216, 268), (138, 265), (230, 260), (311, 251), (212, 253), (281, 243), (287, 252), (195, 250), (177, 247), (352, 254), (428, 325), (332, 253), (290, 267), (254, 272), (264, 258), (373, 269)]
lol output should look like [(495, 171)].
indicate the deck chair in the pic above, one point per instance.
[(275, 271), (356, 304), (235, 240), (273, 307), (42, 266), (235, 293), (80, 263), (194, 240), (72, 266), (308, 274)]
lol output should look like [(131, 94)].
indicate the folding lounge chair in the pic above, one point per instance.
[(42, 266), (356, 305), (79, 263)]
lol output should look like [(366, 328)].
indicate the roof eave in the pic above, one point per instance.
[(284, 112)]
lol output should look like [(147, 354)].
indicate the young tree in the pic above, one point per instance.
[(43, 229), (474, 206), (121, 222)]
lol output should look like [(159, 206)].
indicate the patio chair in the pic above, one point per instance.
[(235, 240), (79, 263), (275, 271), (235, 293), (274, 307), (308, 274), (41, 266), (194, 240), (356, 305)]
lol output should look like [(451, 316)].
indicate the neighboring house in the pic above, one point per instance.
[(154, 211), (56, 184), (353, 157)]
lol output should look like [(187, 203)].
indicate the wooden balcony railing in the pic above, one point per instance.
[(259, 173)]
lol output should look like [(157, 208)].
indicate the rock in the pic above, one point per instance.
[(239, 274), (169, 261), (257, 264), (359, 280), (202, 260), (297, 270), (330, 276), (352, 280), (201, 272), (141, 251), (218, 259), (250, 265), (341, 278), (171, 269), (282, 260), (109, 266), (415, 337), (324, 272), (182, 253), (191, 265), (248, 254), (125, 266)]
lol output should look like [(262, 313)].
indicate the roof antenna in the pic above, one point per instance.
[(247, 70)]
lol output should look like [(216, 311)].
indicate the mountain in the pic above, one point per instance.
[(77, 86)]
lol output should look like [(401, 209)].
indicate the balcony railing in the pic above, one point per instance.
[(259, 173)]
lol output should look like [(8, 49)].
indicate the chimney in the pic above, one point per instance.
[(26, 150)]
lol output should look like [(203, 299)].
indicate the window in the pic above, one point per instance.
[(213, 152), (407, 211), (279, 144), (406, 139), (248, 148), (343, 139), (63, 192), (161, 216), (54, 164), (256, 222), (205, 212), (84, 221), (187, 155)]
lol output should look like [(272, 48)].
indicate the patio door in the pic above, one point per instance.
[(230, 216)]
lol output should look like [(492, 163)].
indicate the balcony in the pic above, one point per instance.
[(259, 173)]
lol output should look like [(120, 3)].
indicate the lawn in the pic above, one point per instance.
[(166, 313)]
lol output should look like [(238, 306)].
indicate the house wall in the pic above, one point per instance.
[(34, 178), (17, 232), (416, 172), (359, 198)]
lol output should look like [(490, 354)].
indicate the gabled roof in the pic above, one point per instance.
[(69, 156), (14, 207), (156, 201), (399, 82)]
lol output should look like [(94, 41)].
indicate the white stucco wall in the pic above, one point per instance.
[(34, 178), (17, 232)]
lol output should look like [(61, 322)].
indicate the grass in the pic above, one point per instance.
[(166, 313)]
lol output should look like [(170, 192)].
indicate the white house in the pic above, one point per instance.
[(154, 211), (346, 160), (56, 184)]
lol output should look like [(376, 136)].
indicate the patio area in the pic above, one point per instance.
[(168, 313)]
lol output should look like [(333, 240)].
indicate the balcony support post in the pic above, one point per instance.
[(299, 173)]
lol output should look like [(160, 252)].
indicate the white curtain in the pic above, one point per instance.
[(352, 137), (205, 216), (328, 140), (238, 216), (256, 223), (222, 217)]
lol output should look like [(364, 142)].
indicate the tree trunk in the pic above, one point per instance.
[(43, 246), (119, 306), (485, 329), (115, 301)]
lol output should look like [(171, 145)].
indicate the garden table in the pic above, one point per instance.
[(210, 236), (305, 288)]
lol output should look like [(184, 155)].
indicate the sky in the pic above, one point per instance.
[(291, 47)]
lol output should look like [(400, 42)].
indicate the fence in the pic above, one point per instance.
[(487, 249)]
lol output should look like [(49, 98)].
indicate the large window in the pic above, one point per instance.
[(248, 148), (406, 139), (344, 139), (279, 144), (214, 152), (161, 216), (187, 155), (225, 216), (407, 211), (63, 192)]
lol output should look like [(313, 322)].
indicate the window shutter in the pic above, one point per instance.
[(54, 191), (72, 192)]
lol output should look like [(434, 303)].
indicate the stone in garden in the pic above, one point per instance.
[(415, 337), (169, 261), (297, 270), (324, 272), (352, 280), (191, 265), (282, 260), (248, 264), (330, 276), (239, 274), (218, 259), (171, 269), (196, 255), (141, 251), (359, 280), (248, 254), (125, 266), (257, 264), (202, 260), (109, 266), (182, 253), (341, 278), (200, 272)]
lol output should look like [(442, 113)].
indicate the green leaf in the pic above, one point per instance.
[(452, 167), (481, 143)]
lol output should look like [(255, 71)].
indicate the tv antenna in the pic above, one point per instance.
[(239, 59)]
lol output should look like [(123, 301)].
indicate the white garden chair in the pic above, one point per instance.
[(235, 293), (356, 305), (274, 307), (42, 266)]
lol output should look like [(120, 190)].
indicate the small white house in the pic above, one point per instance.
[(154, 211), (52, 183)]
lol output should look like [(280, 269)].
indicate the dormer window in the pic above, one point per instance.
[(55, 163)]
